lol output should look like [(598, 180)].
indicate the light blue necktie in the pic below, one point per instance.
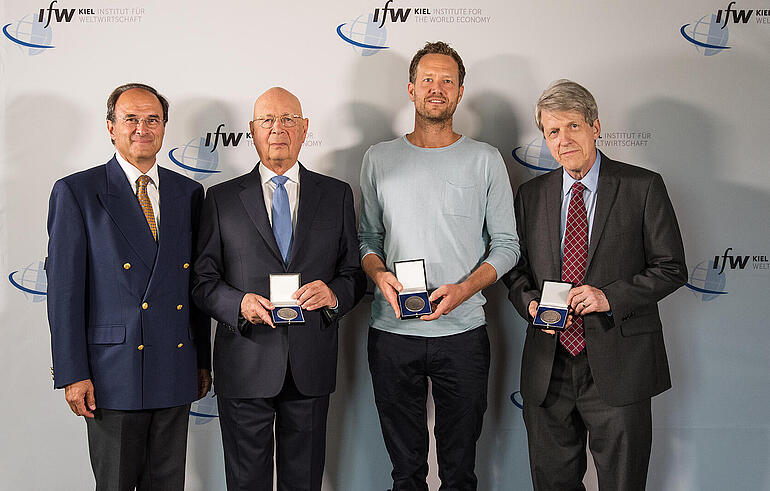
[(281, 216)]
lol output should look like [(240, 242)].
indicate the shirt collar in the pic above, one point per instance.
[(590, 180), (132, 173), (266, 174)]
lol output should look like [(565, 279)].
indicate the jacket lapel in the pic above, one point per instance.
[(254, 202), (309, 197), (172, 213), (120, 202), (607, 189)]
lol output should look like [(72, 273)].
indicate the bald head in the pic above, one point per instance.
[(274, 97), (278, 146)]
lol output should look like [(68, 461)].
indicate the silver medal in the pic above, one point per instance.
[(287, 314)]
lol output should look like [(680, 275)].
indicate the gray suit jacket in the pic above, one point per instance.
[(635, 257)]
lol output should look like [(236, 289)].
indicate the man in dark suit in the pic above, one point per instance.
[(608, 228), (278, 218), (129, 349)]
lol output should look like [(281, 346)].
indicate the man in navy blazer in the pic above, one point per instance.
[(129, 348), (592, 383), (278, 218)]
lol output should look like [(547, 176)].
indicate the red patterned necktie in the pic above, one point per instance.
[(574, 263), (144, 200)]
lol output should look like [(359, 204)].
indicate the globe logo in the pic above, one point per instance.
[(196, 158), (204, 410), (706, 282), (517, 400), (535, 156), (364, 34), (30, 34), (31, 280), (707, 35)]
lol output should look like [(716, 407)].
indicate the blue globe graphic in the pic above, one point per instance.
[(29, 30), (707, 30), (197, 155), (704, 276), (204, 410), (517, 400), (536, 156), (364, 30), (31, 277)]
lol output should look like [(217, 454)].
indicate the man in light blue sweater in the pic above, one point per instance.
[(445, 198)]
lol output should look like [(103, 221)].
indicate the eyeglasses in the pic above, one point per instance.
[(287, 120), (149, 122)]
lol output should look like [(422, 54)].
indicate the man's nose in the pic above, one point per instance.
[(141, 126), (278, 127)]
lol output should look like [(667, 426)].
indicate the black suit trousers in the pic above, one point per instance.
[(300, 438)]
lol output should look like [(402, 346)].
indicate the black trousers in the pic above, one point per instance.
[(300, 438), (573, 414), (458, 367), (145, 449)]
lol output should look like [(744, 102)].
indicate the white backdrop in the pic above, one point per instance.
[(698, 115)]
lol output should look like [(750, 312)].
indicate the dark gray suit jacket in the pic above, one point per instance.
[(237, 252), (635, 257)]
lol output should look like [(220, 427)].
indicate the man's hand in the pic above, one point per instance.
[(204, 382), (80, 397), (533, 305), (314, 295), (389, 286), (254, 309), (451, 296), (586, 299), (384, 279)]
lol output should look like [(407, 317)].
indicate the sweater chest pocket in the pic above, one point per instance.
[(459, 199)]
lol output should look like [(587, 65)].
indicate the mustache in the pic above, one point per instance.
[(439, 97)]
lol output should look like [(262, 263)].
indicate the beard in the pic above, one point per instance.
[(434, 117)]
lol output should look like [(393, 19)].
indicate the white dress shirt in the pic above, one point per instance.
[(132, 174), (292, 189)]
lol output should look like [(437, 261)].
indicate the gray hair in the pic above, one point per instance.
[(566, 95)]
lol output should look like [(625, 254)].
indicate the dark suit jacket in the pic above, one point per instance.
[(103, 266), (237, 252), (635, 257)]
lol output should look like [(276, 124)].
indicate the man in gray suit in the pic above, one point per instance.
[(608, 228)]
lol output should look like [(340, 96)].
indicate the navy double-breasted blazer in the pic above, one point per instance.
[(119, 306)]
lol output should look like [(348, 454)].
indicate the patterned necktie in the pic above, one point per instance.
[(144, 200), (281, 216), (574, 263)]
